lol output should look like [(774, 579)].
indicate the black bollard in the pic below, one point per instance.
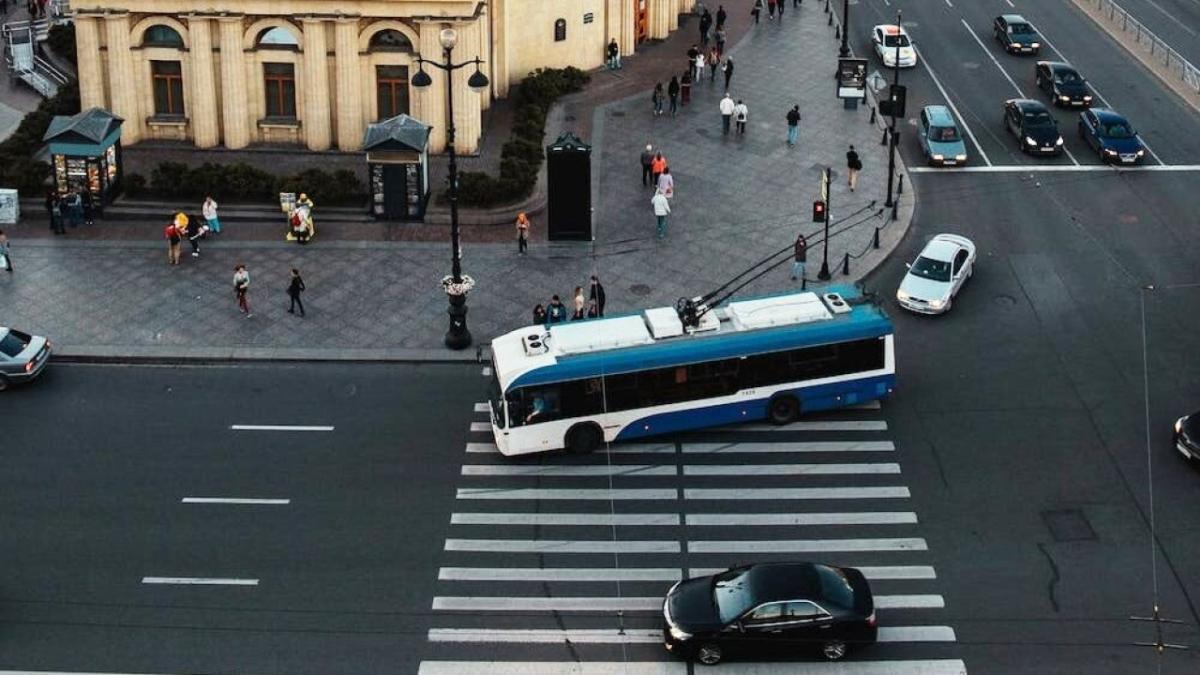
[(900, 189), (872, 120), (895, 205), (846, 265), (830, 21), (883, 141), (804, 283), (837, 33), (875, 243)]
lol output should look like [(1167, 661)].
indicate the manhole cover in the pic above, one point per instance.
[(618, 113), (640, 289), (1006, 300), (1068, 525)]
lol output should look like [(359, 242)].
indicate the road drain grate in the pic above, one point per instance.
[(1068, 525)]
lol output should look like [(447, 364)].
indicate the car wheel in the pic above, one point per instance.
[(583, 439), (709, 654), (3, 383), (833, 651), (783, 409)]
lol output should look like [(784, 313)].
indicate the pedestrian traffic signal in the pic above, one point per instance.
[(818, 211)]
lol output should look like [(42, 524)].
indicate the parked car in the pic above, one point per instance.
[(1016, 35), (22, 356), (1187, 436), (1033, 125), (935, 277), (939, 138), (1063, 83), (754, 608), (1111, 135), (891, 40)]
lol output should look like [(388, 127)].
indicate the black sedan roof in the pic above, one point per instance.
[(772, 582), (1057, 67), (1109, 116), (1028, 105), (1013, 18)]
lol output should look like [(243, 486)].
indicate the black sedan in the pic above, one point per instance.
[(1111, 135), (1187, 436), (22, 356), (1016, 35), (1033, 125), (753, 608), (1064, 84)]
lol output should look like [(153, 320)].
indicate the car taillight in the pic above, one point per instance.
[(29, 367), (871, 620)]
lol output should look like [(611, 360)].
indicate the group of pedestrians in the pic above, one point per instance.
[(589, 307), (75, 207), (773, 7), (241, 290)]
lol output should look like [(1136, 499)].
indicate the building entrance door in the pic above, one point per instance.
[(641, 19)]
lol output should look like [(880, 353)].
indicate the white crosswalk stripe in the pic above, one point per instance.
[(552, 549)]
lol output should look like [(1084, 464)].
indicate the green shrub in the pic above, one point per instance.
[(241, 182), (134, 185), (62, 40)]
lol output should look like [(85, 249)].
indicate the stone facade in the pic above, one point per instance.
[(233, 73)]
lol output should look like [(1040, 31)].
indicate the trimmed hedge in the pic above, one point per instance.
[(242, 182), (521, 156), (61, 39), (18, 169)]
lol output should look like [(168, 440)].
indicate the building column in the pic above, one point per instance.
[(350, 85), (205, 132), (499, 47), (121, 77), (468, 122), (235, 103), (87, 46), (484, 22), (316, 85), (429, 103)]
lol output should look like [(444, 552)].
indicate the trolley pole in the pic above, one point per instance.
[(826, 196)]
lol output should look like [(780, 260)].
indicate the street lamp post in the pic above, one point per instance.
[(844, 50), (892, 131), (456, 284)]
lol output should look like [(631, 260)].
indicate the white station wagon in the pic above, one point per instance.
[(934, 278)]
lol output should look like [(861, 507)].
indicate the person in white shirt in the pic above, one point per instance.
[(740, 112), (662, 209), (209, 211), (727, 107), (699, 67)]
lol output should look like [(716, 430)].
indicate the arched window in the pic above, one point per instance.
[(390, 40), (159, 35), (277, 37), (560, 30)]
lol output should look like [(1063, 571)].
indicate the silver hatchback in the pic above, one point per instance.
[(22, 356)]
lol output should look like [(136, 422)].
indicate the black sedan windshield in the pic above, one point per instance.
[(1020, 28), (733, 594), (938, 270), (1038, 119), (1118, 131)]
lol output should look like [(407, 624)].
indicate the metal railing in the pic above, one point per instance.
[(23, 61), (1149, 42)]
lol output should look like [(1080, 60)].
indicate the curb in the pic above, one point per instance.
[(143, 355)]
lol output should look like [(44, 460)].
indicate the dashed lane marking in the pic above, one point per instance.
[(199, 581), (277, 427), (809, 545), (606, 519), (235, 500)]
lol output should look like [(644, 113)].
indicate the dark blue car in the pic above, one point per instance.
[(1111, 135)]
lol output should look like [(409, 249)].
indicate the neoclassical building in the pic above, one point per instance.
[(234, 73)]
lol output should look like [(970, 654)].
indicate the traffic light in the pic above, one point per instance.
[(818, 211), (894, 104)]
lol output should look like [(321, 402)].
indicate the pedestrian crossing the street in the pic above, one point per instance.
[(558, 563)]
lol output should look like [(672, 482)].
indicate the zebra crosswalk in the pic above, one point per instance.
[(558, 563)]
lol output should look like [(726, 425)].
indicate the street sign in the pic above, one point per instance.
[(852, 78)]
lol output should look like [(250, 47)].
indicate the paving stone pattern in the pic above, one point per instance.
[(737, 200)]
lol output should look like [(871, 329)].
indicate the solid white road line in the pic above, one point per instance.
[(277, 427), (809, 545), (234, 500), (790, 469), (560, 546), (1059, 168), (528, 604), (909, 602), (606, 519), (640, 449), (199, 581), (949, 102), (894, 572), (852, 518), (678, 667), (488, 448), (483, 407), (810, 446), (913, 634), (897, 492), (575, 574), (553, 470), (539, 493), (823, 425), (481, 426)]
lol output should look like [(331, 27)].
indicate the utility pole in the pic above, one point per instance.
[(826, 196), (892, 131)]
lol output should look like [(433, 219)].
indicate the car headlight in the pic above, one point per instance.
[(1035, 45), (1030, 141), (961, 158), (1087, 98), (1141, 152), (1059, 141), (1064, 98), (1109, 151), (679, 634), (901, 295), (1179, 425), (939, 157), (936, 304)]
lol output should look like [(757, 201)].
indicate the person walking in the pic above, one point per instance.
[(666, 183), (614, 55), (771, 10), (662, 209), (241, 289), (580, 304), (685, 88), (714, 58), (647, 164), (295, 288), (727, 105), (673, 94), (728, 68), (522, 233), (6, 256), (74, 208), (89, 207), (740, 113), (799, 258), (657, 167), (539, 315), (780, 6), (756, 10), (596, 294), (706, 20), (853, 166), (793, 122), (691, 56), (796, 3), (657, 99), (173, 233), (721, 16), (209, 211), (556, 311), (699, 66), (195, 232)]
